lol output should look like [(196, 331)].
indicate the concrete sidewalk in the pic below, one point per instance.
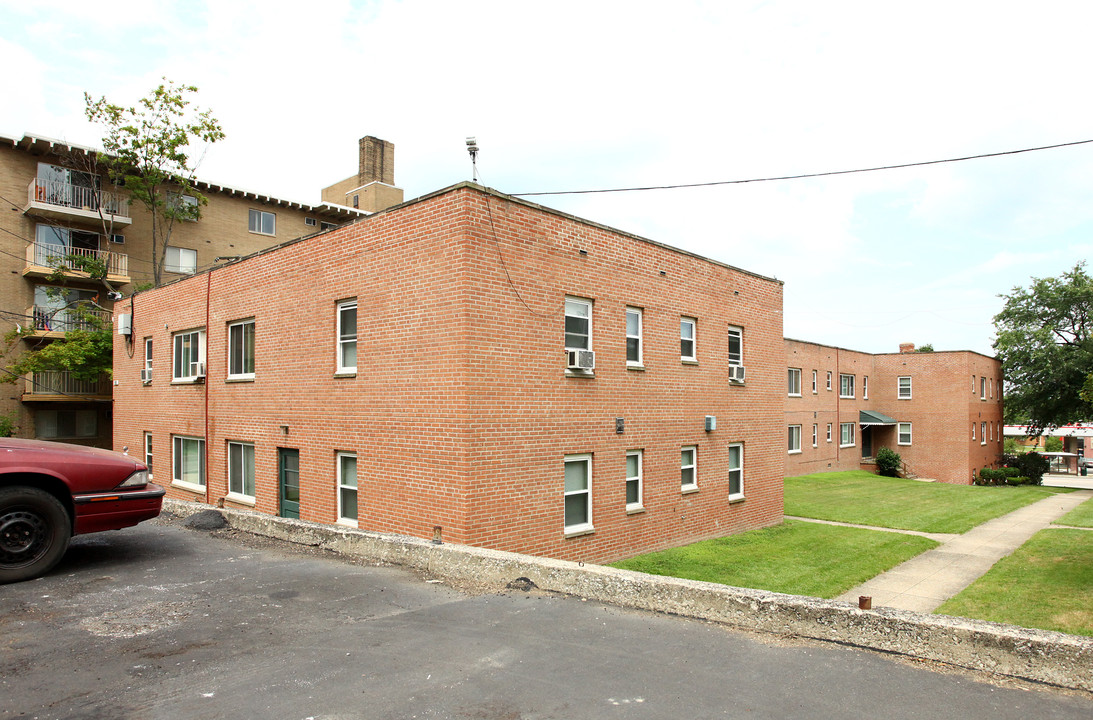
[(924, 582)]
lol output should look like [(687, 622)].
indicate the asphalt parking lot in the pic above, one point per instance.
[(161, 621)]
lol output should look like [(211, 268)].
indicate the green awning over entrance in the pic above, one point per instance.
[(868, 417)]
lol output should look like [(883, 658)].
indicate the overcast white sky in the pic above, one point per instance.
[(584, 95)]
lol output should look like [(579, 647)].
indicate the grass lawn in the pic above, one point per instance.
[(1081, 516), (865, 499), (796, 557), (1047, 583)]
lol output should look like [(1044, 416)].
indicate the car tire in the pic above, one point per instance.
[(34, 533)]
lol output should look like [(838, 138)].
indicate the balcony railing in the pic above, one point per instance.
[(51, 319), (79, 197), (61, 383), (74, 258)]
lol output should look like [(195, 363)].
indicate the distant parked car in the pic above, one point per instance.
[(51, 491)]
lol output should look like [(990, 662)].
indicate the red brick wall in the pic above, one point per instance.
[(941, 409), (461, 411)]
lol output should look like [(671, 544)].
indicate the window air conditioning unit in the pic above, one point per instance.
[(580, 359), (736, 373), (146, 375), (197, 369)]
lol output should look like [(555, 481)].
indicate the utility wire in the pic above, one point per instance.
[(805, 175)]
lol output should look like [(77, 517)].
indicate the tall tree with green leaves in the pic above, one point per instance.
[(1044, 338), (148, 152)]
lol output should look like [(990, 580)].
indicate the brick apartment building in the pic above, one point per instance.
[(422, 371), (58, 205), (941, 411)]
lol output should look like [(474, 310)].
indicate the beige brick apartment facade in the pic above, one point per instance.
[(941, 411), (56, 204), (410, 373)]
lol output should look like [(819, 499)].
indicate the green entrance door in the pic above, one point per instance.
[(288, 471)]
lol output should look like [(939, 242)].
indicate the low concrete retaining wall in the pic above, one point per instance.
[(1037, 655)]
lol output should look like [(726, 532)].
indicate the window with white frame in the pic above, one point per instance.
[(688, 468), (736, 346), (829, 432), (983, 433), (633, 480), (688, 339), (189, 355), (147, 375), (578, 324), (148, 452), (903, 391), (815, 434), (183, 207), (903, 433), (794, 439), (846, 434), (793, 381), (865, 387), (633, 337), (241, 470), (815, 382), (973, 430), (736, 471), (982, 388), (578, 493), (241, 350), (180, 260), (829, 380), (846, 386), (347, 488), (990, 388), (188, 460), (347, 336), (262, 222)]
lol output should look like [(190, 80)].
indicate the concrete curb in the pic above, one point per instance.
[(1036, 655)]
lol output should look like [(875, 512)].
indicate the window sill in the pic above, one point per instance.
[(635, 367), (846, 446), (635, 509), (239, 378), (189, 487), (794, 395), (688, 489), (247, 500), (734, 499), (687, 361), (345, 374), (903, 444), (188, 381), (578, 531), (346, 522), (794, 452), (580, 373), (255, 232), (847, 397)]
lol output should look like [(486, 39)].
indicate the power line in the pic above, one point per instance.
[(805, 175)]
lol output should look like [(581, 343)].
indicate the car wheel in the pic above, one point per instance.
[(34, 533)]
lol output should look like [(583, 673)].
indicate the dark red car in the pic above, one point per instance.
[(51, 491)]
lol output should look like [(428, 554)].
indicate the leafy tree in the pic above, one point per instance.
[(86, 351), (1044, 338), (928, 347), (1053, 444), (148, 152)]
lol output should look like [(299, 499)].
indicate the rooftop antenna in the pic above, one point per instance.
[(472, 148)]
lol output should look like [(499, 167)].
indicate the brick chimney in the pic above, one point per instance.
[(372, 189), (906, 347), (377, 161)]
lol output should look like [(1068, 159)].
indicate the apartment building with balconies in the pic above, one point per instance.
[(62, 214)]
